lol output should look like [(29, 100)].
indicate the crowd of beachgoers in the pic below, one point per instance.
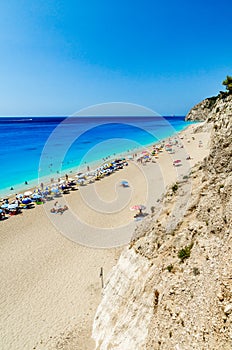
[(44, 193), (39, 257), (14, 205)]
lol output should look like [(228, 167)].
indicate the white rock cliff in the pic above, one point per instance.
[(172, 289)]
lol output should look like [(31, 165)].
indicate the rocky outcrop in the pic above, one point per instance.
[(124, 299), (172, 287), (213, 105)]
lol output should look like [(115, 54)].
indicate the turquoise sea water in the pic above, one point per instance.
[(34, 147)]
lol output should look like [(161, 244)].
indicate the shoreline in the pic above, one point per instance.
[(51, 285), (35, 183)]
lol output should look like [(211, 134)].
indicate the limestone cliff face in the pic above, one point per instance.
[(204, 109), (154, 299), (126, 297)]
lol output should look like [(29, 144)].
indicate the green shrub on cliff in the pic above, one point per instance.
[(174, 188), (228, 83), (184, 253)]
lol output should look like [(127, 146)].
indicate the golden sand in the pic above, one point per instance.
[(50, 285)]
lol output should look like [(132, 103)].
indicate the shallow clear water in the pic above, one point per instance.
[(48, 146)]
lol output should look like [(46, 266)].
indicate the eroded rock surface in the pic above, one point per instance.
[(172, 287)]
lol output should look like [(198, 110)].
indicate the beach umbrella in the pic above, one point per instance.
[(36, 196), (19, 195), (13, 206), (177, 161), (61, 181), (27, 193), (81, 181), (4, 206), (26, 201), (55, 190), (138, 207), (45, 193), (125, 183), (79, 175)]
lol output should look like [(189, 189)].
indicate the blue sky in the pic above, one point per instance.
[(60, 56)]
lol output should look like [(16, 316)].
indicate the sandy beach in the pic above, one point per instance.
[(50, 268)]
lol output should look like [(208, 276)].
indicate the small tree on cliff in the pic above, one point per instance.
[(228, 83)]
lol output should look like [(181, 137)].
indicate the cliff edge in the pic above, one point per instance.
[(210, 106), (172, 287)]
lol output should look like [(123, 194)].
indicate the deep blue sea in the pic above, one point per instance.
[(37, 147)]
